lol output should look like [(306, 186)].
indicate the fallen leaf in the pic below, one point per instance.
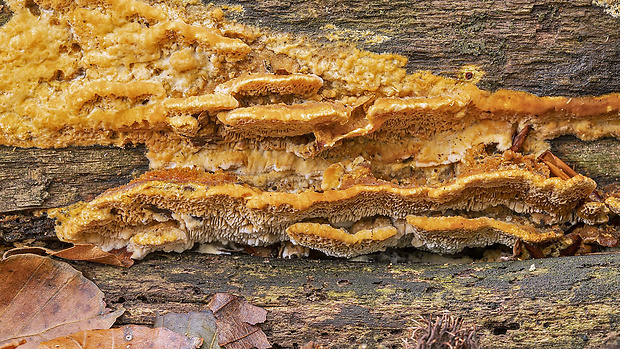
[(41, 251), (259, 251), (236, 322), (193, 324), (79, 252), (12, 344), (41, 298), (574, 247), (92, 253), (130, 336)]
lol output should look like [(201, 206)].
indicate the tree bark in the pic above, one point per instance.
[(551, 47), (551, 303)]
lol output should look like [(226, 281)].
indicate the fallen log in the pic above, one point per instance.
[(554, 303), (551, 47)]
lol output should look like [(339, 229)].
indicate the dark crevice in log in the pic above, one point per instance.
[(5, 13), (21, 226)]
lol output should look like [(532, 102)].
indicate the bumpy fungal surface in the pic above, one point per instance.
[(172, 209), (260, 138)]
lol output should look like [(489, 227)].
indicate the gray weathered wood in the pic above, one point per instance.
[(45, 178), (550, 47), (552, 303), (599, 160)]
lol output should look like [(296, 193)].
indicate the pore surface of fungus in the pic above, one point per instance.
[(173, 209)]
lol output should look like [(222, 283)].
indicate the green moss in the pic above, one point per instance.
[(333, 294)]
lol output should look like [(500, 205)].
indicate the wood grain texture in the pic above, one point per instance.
[(563, 303), (35, 179), (550, 47), (599, 160), (45, 178)]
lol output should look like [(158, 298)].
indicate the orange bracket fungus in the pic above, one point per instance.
[(257, 137)]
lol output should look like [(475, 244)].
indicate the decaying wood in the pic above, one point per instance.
[(46, 178), (42, 178), (75, 174), (561, 302), (551, 47)]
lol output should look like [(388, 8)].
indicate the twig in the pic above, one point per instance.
[(558, 167), (519, 138)]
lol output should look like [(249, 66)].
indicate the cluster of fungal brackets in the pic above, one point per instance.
[(260, 138)]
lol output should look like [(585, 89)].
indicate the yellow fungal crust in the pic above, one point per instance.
[(282, 120), (339, 242), (97, 73), (105, 72), (219, 207), (262, 83), (330, 146), (613, 203), (593, 213), (452, 234)]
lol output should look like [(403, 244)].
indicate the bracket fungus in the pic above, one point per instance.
[(172, 209), (257, 137)]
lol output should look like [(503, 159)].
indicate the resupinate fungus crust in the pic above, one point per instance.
[(259, 138)]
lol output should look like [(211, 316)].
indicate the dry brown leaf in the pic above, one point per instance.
[(12, 344), (130, 336), (41, 251), (41, 299), (80, 252), (92, 253), (237, 322)]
